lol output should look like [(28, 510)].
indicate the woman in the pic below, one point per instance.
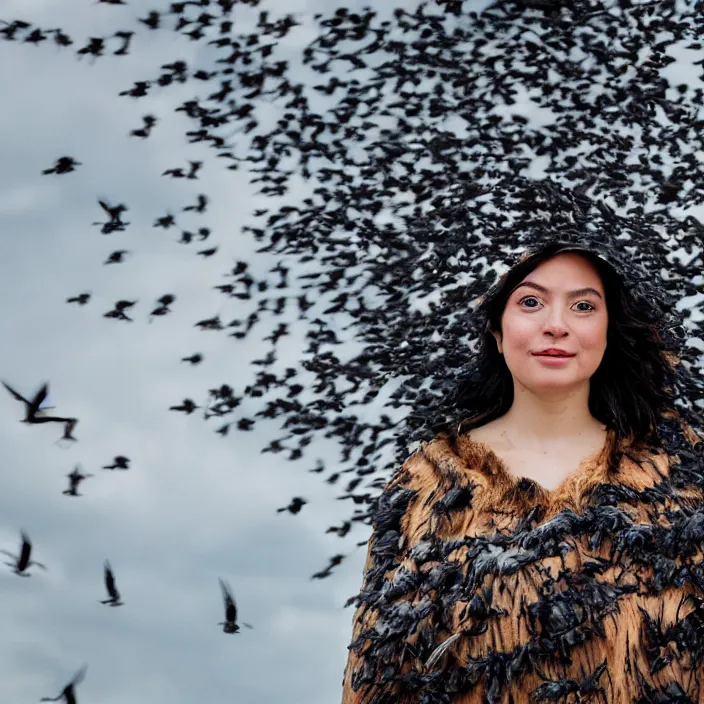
[(548, 548)]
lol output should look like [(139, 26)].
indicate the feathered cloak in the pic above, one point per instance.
[(593, 592)]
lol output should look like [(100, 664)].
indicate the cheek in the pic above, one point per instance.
[(593, 336), (519, 332)]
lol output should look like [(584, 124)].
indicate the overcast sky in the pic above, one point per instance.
[(193, 506)]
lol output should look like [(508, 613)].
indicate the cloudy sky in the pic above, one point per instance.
[(193, 506)]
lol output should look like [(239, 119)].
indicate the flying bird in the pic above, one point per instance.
[(335, 560), (36, 415), (294, 507), (187, 406), (68, 694), (81, 299), (114, 595), (196, 358), (63, 165), (146, 129), (75, 478), (230, 624), (200, 206), (115, 223), (119, 462), (31, 407), (116, 257), (22, 561)]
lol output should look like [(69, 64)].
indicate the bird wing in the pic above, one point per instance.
[(15, 394), (230, 607), (25, 552), (78, 677), (41, 395), (110, 582)]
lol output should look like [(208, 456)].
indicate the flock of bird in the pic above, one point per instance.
[(35, 413), (432, 141)]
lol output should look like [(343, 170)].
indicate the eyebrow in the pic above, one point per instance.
[(571, 294)]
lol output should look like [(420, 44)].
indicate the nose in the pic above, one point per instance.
[(554, 323)]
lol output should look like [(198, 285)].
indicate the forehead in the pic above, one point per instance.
[(566, 269)]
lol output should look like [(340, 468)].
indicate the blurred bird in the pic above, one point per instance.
[(35, 415), (334, 561), (116, 257), (119, 462), (22, 561), (187, 406), (295, 506), (146, 129), (81, 299), (115, 223), (196, 358), (230, 624), (114, 595), (75, 478), (200, 206), (63, 165), (119, 310), (31, 407), (68, 694)]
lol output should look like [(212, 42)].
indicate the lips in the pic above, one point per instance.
[(551, 354)]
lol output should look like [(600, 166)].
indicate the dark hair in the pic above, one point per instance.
[(631, 391)]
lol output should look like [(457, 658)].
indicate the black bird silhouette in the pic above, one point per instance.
[(116, 257), (22, 561), (81, 299), (200, 206), (114, 595), (119, 462), (75, 478), (334, 561), (68, 694), (119, 310), (163, 308), (146, 129), (115, 223), (36, 415), (195, 168), (187, 406), (151, 20), (31, 407), (94, 47), (196, 358), (294, 507), (229, 625), (63, 165), (126, 39)]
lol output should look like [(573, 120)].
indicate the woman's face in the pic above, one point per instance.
[(546, 309)]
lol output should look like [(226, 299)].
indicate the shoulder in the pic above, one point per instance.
[(433, 471), (437, 461)]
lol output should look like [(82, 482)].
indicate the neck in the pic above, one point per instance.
[(540, 422)]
